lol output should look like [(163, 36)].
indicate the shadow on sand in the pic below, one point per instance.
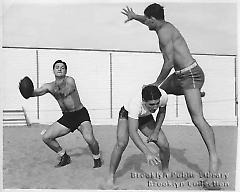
[(134, 162)]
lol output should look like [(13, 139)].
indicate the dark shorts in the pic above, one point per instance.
[(192, 78), (72, 120), (123, 114)]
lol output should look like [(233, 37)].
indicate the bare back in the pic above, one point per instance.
[(66, 95), (169, 36)]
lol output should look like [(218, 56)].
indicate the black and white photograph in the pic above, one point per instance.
[(119, 95)]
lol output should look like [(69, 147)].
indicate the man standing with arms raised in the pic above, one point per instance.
[(188, 78)]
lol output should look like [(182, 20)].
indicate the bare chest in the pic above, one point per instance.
[(59, 90)]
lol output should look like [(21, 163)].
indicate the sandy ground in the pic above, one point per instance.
[(29, 164)]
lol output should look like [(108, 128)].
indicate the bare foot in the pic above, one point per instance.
[(214, 165), (105, 186), (108, 185)]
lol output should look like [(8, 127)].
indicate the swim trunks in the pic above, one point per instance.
[(191, 77), (72, 120)]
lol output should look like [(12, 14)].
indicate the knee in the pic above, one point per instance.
[(163, 145), (90, 139), (46, 138), (197, 119), (122, 144)]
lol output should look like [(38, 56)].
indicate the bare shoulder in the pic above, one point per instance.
[(70, 80), (167, 28), (50, 85), (168, 32)]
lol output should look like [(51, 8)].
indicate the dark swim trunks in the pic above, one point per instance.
[(73, 120), (123, 114), (191, 77)]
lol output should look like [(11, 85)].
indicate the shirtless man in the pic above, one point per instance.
[(188, 77), (137, 115), (75, 115)]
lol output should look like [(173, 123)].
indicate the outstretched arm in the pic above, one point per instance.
[(41, 90), (132, 15)]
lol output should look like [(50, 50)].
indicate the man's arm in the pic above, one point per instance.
[(133, 127), (166, 46), (159, 121), (133, 132), (41, 90), (131, 15)]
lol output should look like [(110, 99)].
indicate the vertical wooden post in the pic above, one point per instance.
[(236, 87), (177, 106), (37, 61), (111, 88)]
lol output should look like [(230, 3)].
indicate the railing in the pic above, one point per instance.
[(114, 55)]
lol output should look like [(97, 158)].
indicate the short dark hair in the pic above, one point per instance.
[(60, 61), (154, 10), (151, 92)]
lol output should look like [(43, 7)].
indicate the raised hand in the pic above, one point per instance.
[(129, 13)]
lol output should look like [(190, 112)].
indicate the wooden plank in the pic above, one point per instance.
[(14, 120)]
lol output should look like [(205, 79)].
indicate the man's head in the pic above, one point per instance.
[(151, 97), (59, 68), (153, 12)]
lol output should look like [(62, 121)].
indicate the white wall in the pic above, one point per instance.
[(91, 71)]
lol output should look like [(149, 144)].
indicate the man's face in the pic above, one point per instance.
[(152, 105), (150, 22), (59, 70)]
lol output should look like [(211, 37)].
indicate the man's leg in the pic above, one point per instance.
[(194, 105), (162, 143), (120, 146), (49, 138), (87, 131)]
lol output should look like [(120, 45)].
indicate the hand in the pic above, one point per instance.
[(152, 138), (129, 13), (152, 159)]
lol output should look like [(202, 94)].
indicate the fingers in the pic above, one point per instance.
[(126, 20), (157, 160), (154, 161), (127, 10), (151, 140), (124, 11)]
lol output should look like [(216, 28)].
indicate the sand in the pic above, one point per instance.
[(29, 164)]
